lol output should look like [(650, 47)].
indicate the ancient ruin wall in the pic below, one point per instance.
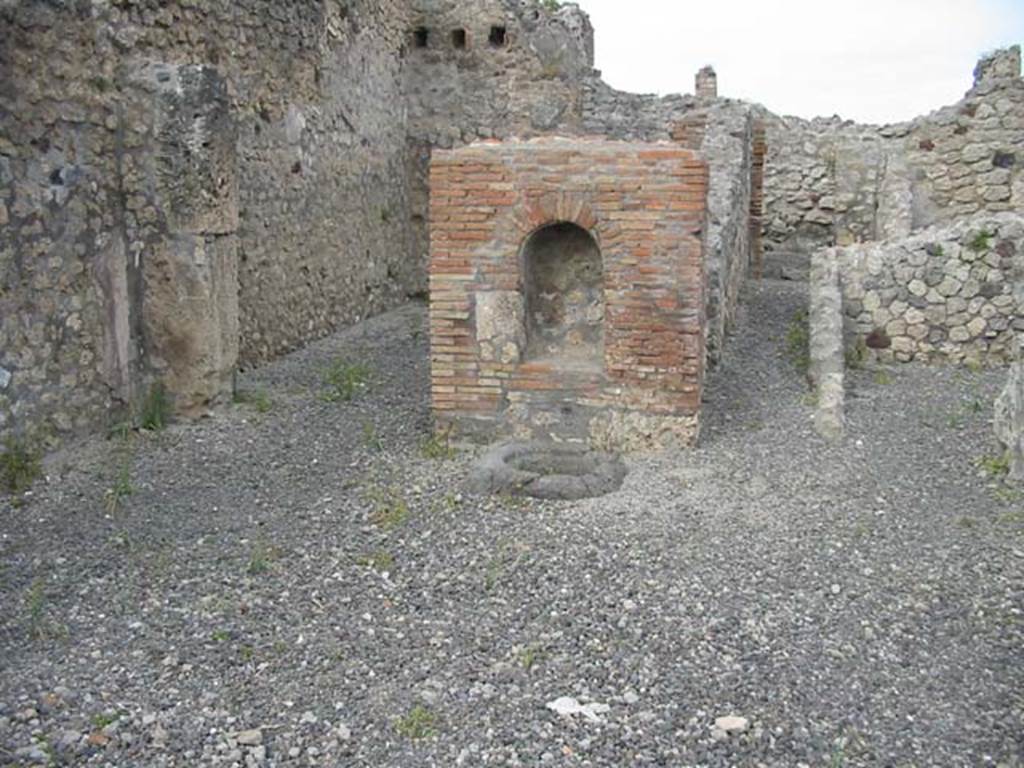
[(831, 181), (60, 204), (487, 68), (637, 386), (944, 294), (723, 131), (320, 217)]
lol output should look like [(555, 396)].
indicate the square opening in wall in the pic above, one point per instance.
[(497, 37), (420, 37), (458, 38)]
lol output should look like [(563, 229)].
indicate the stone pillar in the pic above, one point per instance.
[(1009, 415), (706, 83), (182, 222), (826, 330), (1009, 420)]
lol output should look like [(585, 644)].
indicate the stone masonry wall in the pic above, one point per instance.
[(59, 208), (723, 131), (829, 181), (944, 294), (644, 206), (461, 85), (727, 146), (319, 224)]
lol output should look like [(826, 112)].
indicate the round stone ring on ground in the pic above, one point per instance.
[(547, 471)]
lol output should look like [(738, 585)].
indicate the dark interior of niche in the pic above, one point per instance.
[(420, 37), (459, 38), (498, 36)]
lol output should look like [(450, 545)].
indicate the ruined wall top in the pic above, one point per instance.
[(706, 83), (1003, 64)]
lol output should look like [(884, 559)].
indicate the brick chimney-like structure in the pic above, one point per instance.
[(706, 83)]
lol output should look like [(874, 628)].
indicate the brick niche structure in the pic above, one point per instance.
[(567, 291)]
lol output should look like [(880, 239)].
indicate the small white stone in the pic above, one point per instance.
[(732, 724), (836, 589), (250, 738)]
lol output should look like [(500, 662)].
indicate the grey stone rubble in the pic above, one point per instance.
[(857, 600)]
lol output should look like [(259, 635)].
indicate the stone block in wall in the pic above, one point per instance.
[(181, 185), (190, 316)]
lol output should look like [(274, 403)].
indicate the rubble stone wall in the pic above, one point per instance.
[(311, 144), (943, 294), (829, 181)]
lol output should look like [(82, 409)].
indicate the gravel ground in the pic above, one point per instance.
[(295, 582)]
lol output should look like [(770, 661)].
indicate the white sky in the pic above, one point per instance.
[(868, 60)]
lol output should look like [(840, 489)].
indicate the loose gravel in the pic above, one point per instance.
[(303, 579)]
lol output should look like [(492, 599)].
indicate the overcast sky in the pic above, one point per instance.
[(868, 60)]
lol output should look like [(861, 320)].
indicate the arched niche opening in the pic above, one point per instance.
[(564, 290)]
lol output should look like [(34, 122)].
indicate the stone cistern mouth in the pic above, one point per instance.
[(546, 470)]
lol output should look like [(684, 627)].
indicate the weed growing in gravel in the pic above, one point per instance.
[(258, 398), (103, 719), (371, 438), (862, 529), (121, 431), (155, 412), (246, 653), (995, 466), (19, 465), (220, 636), (380, 561), (838, 758), (1009, 496), (798, 342), (439, 446), (530, 656), (857, 355), (420, 723), (980, 242), (35, 605), (260, 558), (883, 377), (504, 561), (344, 380), (390, 509), (121, 489)]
